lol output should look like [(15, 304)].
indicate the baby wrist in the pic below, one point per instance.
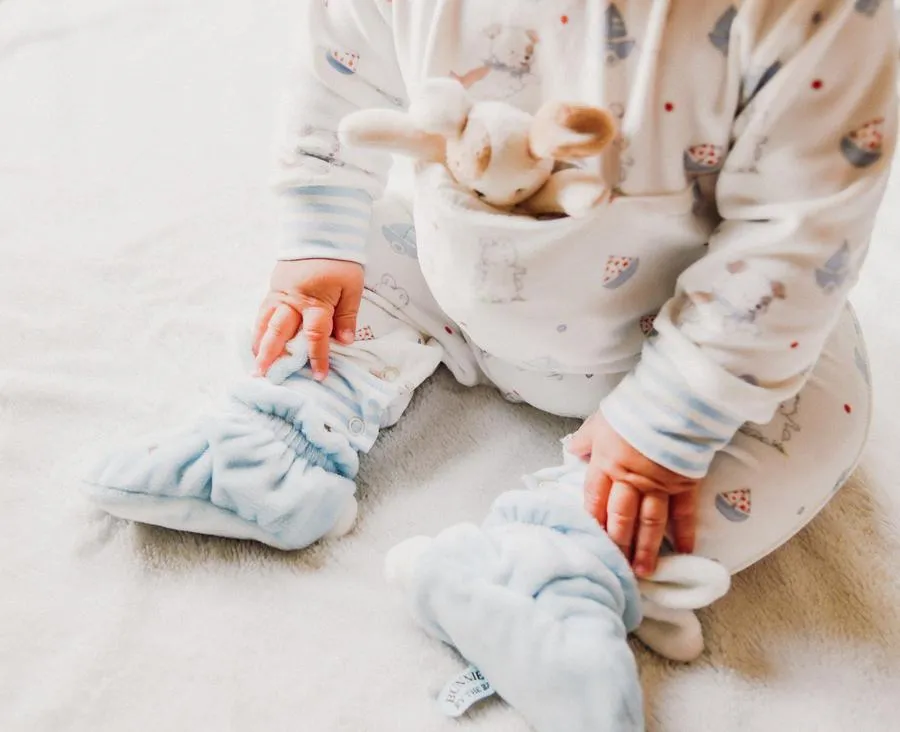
[(655, 410), (324, 222)]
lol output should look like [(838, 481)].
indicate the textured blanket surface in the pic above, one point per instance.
[(136, 233)]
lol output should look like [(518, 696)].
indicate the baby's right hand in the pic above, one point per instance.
[(322, 296)]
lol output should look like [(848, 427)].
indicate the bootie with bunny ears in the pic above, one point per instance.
[(681, 584), (540, 601), (275, 463)]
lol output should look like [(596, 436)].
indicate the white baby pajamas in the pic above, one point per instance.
[(703, 310)]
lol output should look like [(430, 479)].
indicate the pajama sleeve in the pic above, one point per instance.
[(347, 61), (798, 193)]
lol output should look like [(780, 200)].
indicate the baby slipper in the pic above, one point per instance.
[(264, 467), (540, 601), (680, 585), (274, 464)]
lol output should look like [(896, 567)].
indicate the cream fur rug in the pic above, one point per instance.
[(135, 230)]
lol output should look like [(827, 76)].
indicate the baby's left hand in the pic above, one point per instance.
[(633, 497)]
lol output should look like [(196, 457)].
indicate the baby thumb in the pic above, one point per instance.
[(345, 317), (580, 443)]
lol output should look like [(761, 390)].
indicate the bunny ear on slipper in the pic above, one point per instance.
[(686, 582), (681, 584), (673, 634)]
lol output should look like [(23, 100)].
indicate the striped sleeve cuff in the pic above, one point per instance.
[(325, 222), (657, 413)]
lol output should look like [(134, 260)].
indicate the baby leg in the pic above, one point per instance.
[(773, 479), (276, 461)]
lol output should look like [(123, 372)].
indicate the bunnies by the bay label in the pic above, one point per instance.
[(463, 691)]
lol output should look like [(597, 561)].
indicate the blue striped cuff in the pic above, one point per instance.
[(325, 222), (656, 412)]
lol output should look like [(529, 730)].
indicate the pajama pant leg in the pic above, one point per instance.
[(772, 479), (402, 335), (397, 301)]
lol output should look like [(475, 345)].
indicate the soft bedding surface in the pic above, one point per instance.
[(135, 237)]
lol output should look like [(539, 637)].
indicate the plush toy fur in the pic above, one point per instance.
[(505, 156)]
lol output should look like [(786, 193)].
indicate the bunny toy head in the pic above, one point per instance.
[(504, 155)]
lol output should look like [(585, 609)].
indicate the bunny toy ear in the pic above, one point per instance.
[(392, 131), (441, 107), (570, 131)]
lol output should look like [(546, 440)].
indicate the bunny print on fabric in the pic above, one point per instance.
[(509, 65)]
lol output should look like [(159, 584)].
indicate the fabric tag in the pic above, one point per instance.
[(464, 690)]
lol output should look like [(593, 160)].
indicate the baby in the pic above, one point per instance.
[(751, 160), (698, 322)]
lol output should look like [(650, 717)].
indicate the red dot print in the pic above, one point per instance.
[(848, 408), (564, 19), (794, 344), (669, 106), (448, 329), (817, 84)]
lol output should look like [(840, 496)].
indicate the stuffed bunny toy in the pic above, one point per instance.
[(507, 157), (540, 601)]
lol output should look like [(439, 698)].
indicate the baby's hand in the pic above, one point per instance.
[(633, 497), (322, 296)]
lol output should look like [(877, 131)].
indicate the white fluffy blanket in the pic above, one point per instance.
[(135, 232)]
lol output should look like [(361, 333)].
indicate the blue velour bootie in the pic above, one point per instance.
[(275, 463), (541, 601)]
